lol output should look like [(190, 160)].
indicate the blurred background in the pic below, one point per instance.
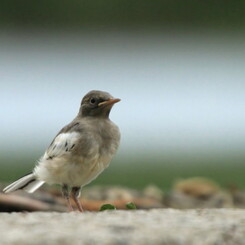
[(178, 66)]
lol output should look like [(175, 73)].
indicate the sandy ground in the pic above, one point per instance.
[(158, 227)]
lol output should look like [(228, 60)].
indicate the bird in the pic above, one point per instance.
[(79, 152)]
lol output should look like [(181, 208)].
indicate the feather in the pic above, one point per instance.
[(28, 183), (62, 144)]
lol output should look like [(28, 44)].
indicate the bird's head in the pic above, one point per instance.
[(97, 104)]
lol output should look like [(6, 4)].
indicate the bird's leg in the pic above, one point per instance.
[(75, 192), (66, 195)]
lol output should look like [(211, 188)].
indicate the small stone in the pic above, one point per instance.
[(153, 192), (196, 187)]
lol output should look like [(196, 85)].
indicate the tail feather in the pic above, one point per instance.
[(28, 183)]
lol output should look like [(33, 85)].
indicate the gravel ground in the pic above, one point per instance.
[(157, 226)]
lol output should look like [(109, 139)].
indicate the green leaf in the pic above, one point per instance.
[(131, 205), (107, 207)]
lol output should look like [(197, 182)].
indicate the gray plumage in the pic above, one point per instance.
[(79, 152)]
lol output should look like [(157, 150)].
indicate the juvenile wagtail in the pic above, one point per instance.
[(79, 152)]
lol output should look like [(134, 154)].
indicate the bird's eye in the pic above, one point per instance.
[(92, 101)]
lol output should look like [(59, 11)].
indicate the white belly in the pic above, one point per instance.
[(76, 173)]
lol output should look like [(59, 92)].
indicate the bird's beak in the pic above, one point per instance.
[(109, 102)]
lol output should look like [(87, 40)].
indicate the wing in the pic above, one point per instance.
[(62, 144)]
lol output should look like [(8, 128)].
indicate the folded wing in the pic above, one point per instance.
[(62, 144)]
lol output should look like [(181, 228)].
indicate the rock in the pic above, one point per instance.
[(198, 192), (157, 226), (197, 187), (153, 192), (239, 198), (181, 200)]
